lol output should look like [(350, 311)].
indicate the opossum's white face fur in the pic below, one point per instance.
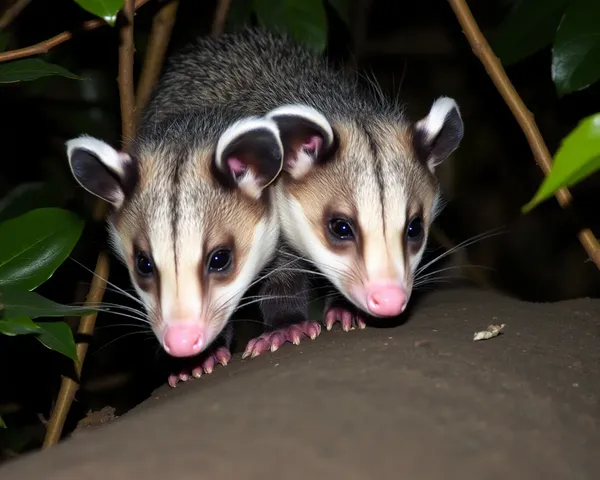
[(359, 196), (190, 221)]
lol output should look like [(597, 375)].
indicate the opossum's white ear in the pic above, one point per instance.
[(249, 154), (437, 135), (306, 134), (100, 169)]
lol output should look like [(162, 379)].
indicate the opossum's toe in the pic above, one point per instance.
[(175, 378), (348, 319), (221, 356), (271, 341)]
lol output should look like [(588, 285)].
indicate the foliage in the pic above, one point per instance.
[(29, 69), (571, 27), (577, 158), (32, 247), (305, 20), (105, 9)]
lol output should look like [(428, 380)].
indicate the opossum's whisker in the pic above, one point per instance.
[(452, 267), (119, 289), (121, 337), (461, 245)]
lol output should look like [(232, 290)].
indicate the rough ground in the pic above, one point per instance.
[(421, 401)]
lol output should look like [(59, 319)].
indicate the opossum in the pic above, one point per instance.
[(190, 218), (358, 193)]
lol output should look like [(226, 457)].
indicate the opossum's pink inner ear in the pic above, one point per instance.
[(307, 137), (102, 170), (249, 155), (437, 135)]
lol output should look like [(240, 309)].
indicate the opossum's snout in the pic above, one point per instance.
[(184, 339), (386, 300)]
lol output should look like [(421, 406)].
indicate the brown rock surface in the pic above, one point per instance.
[(421, 401)]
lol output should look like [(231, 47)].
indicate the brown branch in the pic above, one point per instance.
[(12, 12), (43, 47), (220, 18), (70, 386), (46, 45), (126, 88), (162, 25), (494, 68)]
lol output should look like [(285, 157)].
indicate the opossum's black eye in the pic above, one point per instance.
[(415, 230), (143, 265), (219, 260), (341, 229)]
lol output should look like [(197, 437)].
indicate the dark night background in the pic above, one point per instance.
[(415, 48)]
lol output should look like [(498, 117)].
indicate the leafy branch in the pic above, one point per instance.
[(570, 27), (492, 64)]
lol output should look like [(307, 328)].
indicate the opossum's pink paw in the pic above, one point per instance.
[(271, 341), (349, 320), (174, 379), (221, 356)]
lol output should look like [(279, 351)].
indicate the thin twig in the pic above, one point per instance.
[(46, 45), (70, 386), (12, 12), (220, 18), (126, 87), (494, 68), (162, 25)]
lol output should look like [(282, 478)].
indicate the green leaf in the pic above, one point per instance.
[(2, 424), (305, 20), (105, 9), (19, 303), (530, 26), (57, 336), (26, 197), (577, 158), (19, 325), (343, 9), (576, 52), (31, 69), (34, 245), (239, 15)]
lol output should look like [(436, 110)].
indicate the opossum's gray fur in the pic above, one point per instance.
[(255, 70)]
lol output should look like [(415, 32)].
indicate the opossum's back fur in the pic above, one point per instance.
[(255, 71)]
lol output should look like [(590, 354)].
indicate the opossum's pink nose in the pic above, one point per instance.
[(183, 340), (386, 300)]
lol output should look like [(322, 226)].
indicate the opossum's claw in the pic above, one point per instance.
[(271, 341), (347, 319)]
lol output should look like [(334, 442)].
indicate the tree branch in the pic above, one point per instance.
[(494, 68), (162, 26), (220, 18), (46, 45), (126, 88), (70, 386), (12, 12)]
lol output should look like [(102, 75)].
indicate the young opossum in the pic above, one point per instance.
[(359, 192), (189, 219)]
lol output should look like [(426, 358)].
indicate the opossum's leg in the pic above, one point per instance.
[(342, 311), (284, 310), (219, 354)]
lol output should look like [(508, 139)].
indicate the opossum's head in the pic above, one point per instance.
[(190, 219), (360, 194)]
